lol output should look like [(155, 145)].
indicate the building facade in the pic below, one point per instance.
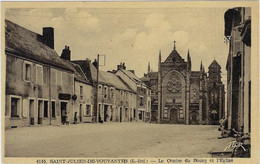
[(182, 96), (82, 98), (116, 101), (143, 93), (39, 85), (238, 34)]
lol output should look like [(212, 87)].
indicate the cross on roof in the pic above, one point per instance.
[(174, 44)]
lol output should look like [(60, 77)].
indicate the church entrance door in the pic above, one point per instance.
[(194, 117), (173, 116)]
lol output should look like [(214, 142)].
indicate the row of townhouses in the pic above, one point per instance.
[(43, 87)]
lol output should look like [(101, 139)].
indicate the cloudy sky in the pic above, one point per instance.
[(132, 35)]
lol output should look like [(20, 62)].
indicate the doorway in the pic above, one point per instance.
[(105, 113), (120, 114), (194, 117), (80, 113), (40, 110), (173, 116), (31, 112), (63, 108)]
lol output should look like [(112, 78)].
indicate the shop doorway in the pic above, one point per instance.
[(63, 108)]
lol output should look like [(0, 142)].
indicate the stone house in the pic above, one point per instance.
[(124, 104), (83, 99), (104, 90), (38, 84), (143, 93), (238, 34)]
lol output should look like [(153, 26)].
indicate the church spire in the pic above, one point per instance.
[(160, 60), (160, 56), (188, 56), (201, 65), (188, 60), (149, 69)]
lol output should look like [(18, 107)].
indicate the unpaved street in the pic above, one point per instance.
[(114, 140)]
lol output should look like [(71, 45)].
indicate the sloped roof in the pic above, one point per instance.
[(90, 71), (93, 70), (27, 44), (144, 79), (131, 75), (79, 75), (214, 64), (153, 75), (115, 80), (174, 56)]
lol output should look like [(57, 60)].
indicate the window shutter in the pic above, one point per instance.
[(23, 69), (25, 108)]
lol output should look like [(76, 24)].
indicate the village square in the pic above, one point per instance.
[(64, 102)]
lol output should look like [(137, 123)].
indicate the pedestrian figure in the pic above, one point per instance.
[(66, 119), (63, 116), (75, 118)]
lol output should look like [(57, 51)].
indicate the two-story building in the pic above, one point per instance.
[(143, 93), (102, 91), (82, 98), (115, 99), (124, 109), (39, 86)]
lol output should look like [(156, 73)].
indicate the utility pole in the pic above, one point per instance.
[(50, 103), (97, 117), (98, 110)]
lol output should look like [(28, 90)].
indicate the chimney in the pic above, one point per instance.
[(121, 66), (48, 36), (95, 63), (65, 53)]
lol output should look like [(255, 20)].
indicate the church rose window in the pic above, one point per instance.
[(174, 85)]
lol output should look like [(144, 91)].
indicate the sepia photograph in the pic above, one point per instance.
[(130, 82)]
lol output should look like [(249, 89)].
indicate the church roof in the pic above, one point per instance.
[(174, 57), (214, 64)]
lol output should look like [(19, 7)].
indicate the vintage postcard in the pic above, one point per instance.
[(130, 82)]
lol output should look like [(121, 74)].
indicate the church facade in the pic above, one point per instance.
[(182, 96)]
